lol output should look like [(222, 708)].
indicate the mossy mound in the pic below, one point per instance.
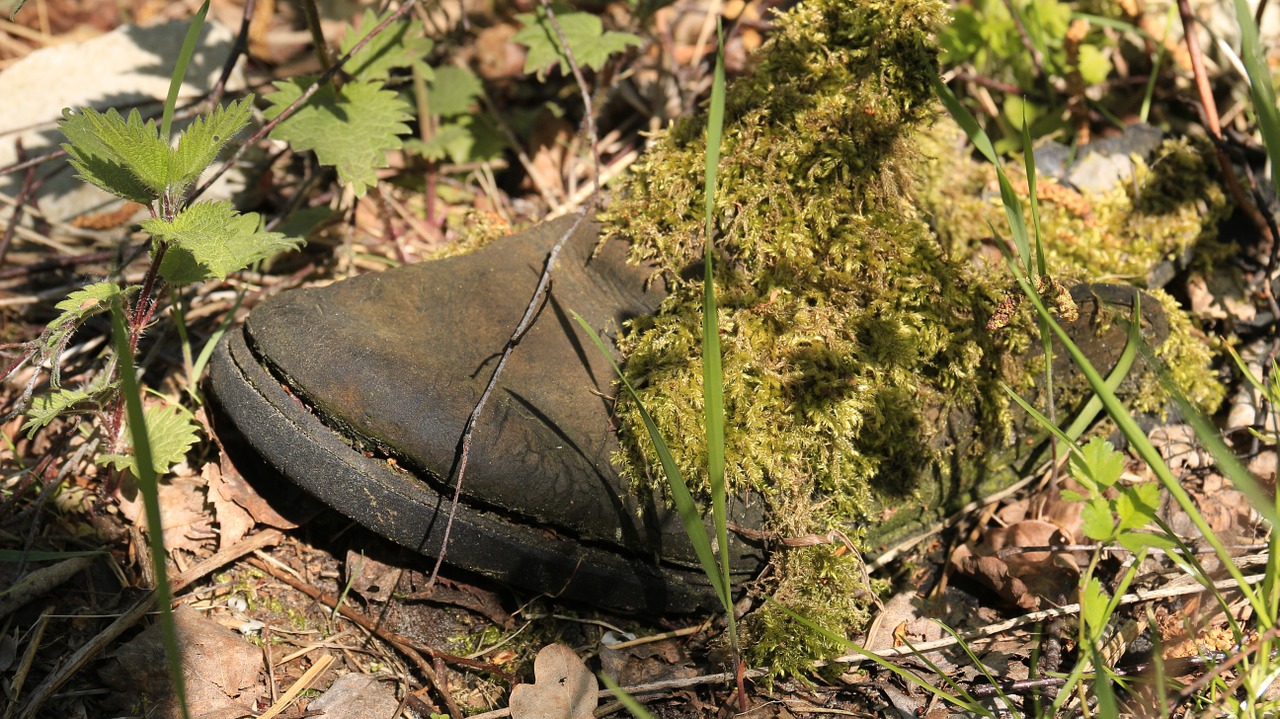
[(861, 386)]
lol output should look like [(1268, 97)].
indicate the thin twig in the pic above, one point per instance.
[(409, 647), (1040, 616), (20, 202), (530, 313), (238, 48), (1210, 108)]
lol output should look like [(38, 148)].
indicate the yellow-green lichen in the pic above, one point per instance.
[(861, 386)]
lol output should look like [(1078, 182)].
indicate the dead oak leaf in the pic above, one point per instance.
[(563, 687)]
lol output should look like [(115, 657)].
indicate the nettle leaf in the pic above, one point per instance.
[(46, 408), (124, 158), (466, 139), (88, 301), (351, 129), (204, 138), (584, 33), (171, 430), (211, 239), (401, 45), (453, 91)]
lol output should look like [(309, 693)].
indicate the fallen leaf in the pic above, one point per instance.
[(355, 696), (218, 666), (187, 525), (234, 487), (233, 521), (563, 687)]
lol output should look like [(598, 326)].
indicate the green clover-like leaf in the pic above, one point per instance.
[(1099, 465), (583, 32), (211, 239), (351, 129)]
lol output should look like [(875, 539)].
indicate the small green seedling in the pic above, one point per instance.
[(1097, 468)]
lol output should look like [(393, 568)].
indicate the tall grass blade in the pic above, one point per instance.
[(148, 486), (1260, 88), (980, 140), (690, 516), (1148, 454), (180, 69), (712, 372)]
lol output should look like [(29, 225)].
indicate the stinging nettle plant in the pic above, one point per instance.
[(134, 160)]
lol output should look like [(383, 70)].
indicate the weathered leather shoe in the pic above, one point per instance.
[(359, 393)]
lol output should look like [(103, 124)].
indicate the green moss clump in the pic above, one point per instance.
[(861, 386)]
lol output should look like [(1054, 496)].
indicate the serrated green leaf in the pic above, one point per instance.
[(171, 431), (46, 408), (216, 240), (403, 44), (79, 306), (466, 139), (1097, 521), (1099, 462), (453, 91), (87, 301), (124, 158), (204, 138), (584, 33), (1093, 64), (351, 130), (1093, 606), (1136, 506)]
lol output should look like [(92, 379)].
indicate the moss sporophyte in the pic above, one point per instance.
[(862, 388)]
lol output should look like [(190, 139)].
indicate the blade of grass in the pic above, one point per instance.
[(680, 494), (980, 140), (148, 487), (712, 372), (1260, 88), (636, 708), (180, 69), (1148, 453)]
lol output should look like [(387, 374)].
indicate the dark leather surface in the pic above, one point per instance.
[(399, 359)]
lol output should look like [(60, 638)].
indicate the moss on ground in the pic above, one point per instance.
[(861, 386)]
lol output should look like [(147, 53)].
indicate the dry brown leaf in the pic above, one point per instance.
[(357, 696), (1023, 578), (233, 521), (563, 687), (647, 663), (218, 666), (187, 524), (234, 487)]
